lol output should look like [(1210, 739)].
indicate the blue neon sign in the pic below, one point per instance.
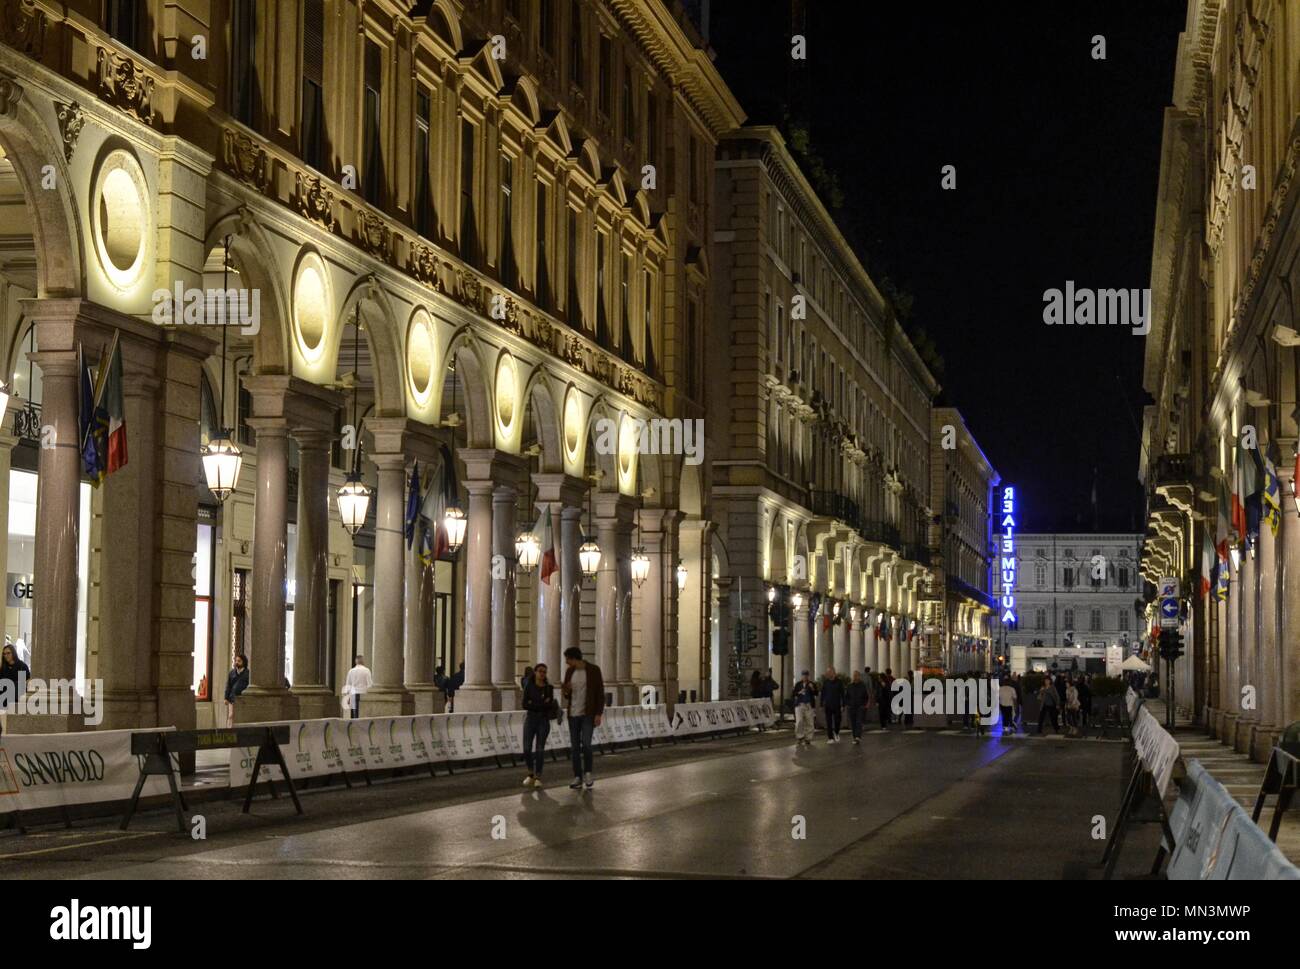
[(1008, 556)]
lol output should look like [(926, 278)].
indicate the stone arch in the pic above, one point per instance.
[(445, 24), (381, 325), (539, 394), (252, 254), (777, 567), (56, 225), (464, 353), (589, 159), (640, 206), (525, 97), (606, 463)]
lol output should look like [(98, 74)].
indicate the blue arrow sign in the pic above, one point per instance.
[(1169, 608)]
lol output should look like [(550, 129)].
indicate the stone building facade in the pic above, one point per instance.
[(819, 415), (484, 224), (1221, 362)]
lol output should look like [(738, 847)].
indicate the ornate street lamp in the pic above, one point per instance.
[(681, 576), (221, 457), (528, 550), (640, 565), (771, 593), (796, 600), (589, 558), (353, 495), (453, 520)]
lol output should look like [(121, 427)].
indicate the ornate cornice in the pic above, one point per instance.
[(22, 27), (247, 160), (125, 84)]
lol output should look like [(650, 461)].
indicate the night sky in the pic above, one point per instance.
[(1057, 158)]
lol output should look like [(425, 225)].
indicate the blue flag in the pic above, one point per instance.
[(92, 458), (412, 504)]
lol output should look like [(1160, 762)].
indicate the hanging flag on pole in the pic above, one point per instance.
[(550, 561), (412, 504), (1271, 496), (1209, 560), (90, 462), (113, 408)]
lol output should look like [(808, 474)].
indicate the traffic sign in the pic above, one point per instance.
[(1169, 613), (1168, 587)]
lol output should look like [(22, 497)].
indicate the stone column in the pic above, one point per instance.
[(388, 696), (570, 577), (660, 596), (822, 651), (556, 492), (857, 645), (1267, 645), (613, 519), (1246, 661), (504, 532), (419, 631), (626, 689), (840, 639), (54, 620), (1232, 658), (126, 576), (897, 659), (801, 630), (311, 593), (266, 697), (1289, 559)]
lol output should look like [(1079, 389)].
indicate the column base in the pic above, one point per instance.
[(422, 697), (509, 696), (124, 710), (316, 703), (1245, 730), (623, 694), (387, 701), (1262, 746), (477, 699), (42, 723), (263, 705)]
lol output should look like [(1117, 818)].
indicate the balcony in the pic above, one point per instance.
[(1176, 479), (829, 504)]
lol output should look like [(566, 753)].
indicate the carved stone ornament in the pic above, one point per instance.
[(11, 92), (423, 264), (374, 235), (124, 84), (246, 159), (314, 200), (22, 27), (469, 290), (71, 121)]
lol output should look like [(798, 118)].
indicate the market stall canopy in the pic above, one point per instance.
[(1136, 663)]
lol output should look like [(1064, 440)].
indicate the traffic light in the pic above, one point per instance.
[(1171, 644), (779, 611)]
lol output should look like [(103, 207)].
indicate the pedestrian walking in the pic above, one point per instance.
[(540, 709), (1085, 700), (1072, 708), (584, 694), (528, 675), (454, 683), (855, 701), (884, 694), (236, 683), (1051, 701), (358, 684), (805, 701), (832, 696), (1007, 703)]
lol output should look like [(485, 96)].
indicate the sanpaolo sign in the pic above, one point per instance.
[(1008, 556)]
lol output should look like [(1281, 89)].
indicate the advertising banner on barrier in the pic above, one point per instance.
[(1157, 749), (50, 770)]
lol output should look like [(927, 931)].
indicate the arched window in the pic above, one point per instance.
[(26, 381)]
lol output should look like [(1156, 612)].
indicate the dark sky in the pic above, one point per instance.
[(1057, 158)]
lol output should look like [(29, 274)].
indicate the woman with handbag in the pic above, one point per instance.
[(540, 709)]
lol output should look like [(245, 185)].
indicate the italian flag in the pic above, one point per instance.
[(550, 563), (113, 408)]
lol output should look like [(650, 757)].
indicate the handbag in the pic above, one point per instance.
[(552, 709)]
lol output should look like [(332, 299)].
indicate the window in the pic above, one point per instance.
[(468, 236), (372, 160), (423, 158), (626, 343), (606, 81), (1123, 621), (647, 343), (122, 19), (243, 69), (576, 50), (694, 174), (602, 312), (1094, 580), (1040, 619), (1094, 621), (1040, 576), (652, 128), (312, 122), (574, 305), (780, 333), (629, 106), (1123, 581), (543, 270), (1067, 578), (688, 351), (507, 258), (547, 26), (1067, 617)]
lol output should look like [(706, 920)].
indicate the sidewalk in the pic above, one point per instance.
[(1236, 772)]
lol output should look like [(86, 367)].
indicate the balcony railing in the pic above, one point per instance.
[(1175, 469)]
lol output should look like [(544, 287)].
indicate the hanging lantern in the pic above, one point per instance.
[(453, 519), (221, 463), (797, 600), (589, 558), (354, 502), (771, 593), (528, 550), (681, 576), (640, 566)]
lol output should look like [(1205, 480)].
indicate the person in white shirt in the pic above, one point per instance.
[(1007, 701), (359, 681)]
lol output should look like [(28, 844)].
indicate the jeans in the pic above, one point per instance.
[(356, 705), (803, 721), (536, 729), (832, 715), (1049, 711), (856, 716), (1008, 719), (580, 729)]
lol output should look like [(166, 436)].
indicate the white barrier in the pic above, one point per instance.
[(1157, 749), (719, 715), (61, 769)]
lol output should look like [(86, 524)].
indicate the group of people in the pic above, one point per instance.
[(583, 691), (838, 696), (1063, 692)]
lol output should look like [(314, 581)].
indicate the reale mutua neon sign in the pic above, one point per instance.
[(1008, 529)]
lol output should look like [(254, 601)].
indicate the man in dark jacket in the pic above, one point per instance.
[(855, 699), (1085, 699), (832, 694), (884, 697), (584, 698), (236, 683)]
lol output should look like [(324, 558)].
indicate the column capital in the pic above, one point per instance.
[(400, 434), (559, 487), (301, 403), (269, 426), (622, 508), (660, 520), (490, 464), (389, 461), (310, 439)]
